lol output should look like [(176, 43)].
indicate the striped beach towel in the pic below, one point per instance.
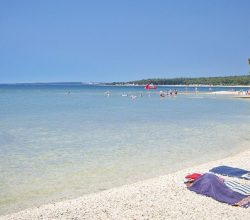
[(238, 187)]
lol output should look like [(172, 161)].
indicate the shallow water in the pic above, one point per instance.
[(56, 145)]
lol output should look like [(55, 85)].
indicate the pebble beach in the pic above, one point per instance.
[(120, 110), (164, 197)]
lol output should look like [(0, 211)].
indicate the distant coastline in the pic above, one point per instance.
[(125, 85), (119, 85), (226, 81), (215, 86), (243, 80)]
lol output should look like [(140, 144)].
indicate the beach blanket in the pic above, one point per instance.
[(210, 185), (238, 187), (231, 171)]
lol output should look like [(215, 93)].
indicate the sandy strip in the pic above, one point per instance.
[(164, 197), (226, 92)]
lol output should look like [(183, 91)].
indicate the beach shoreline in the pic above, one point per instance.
[(163, 197)]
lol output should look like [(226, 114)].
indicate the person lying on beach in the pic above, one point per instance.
[(212, 186), (233, 185)]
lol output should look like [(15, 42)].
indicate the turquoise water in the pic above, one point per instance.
[(57, 145)]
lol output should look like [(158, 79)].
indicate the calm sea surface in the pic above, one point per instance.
[(60, 142)]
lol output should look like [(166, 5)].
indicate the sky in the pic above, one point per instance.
[(122, 40)]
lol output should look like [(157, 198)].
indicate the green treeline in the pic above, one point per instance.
[(226, 81)]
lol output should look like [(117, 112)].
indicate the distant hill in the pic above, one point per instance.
[(52, 83), (222, 81), (55, 83)]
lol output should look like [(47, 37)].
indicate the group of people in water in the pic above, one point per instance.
[(169, 92), (162, 94), (242, 92)]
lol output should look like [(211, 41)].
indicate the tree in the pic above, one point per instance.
[(249, 64)]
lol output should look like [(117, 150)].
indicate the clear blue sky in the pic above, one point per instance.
[(81, 40)]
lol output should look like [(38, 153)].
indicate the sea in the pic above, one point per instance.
[(60, 142)]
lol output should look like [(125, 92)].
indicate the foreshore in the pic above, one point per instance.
[(164, 197)]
